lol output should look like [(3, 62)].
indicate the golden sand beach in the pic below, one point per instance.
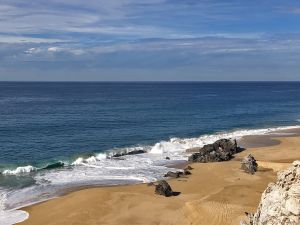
[(215, 193)]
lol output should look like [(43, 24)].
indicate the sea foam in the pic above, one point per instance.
[(179, 145), (10, 217), (101, 169), (19, 170), (175, 147)]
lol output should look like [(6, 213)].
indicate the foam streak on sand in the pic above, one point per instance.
[(9, 217), (100, 169)]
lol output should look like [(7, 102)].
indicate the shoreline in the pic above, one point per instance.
[(277, 140)]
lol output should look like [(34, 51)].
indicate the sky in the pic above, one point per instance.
[(149, 40)]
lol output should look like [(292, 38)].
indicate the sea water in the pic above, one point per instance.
[(57, 136)]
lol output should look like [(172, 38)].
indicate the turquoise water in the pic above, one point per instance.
[(79, 124)]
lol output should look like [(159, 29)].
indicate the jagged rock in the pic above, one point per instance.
[(163, 188), (221, 150), (249, 164), (280, 202), (173, 174)]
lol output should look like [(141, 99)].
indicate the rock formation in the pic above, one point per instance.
[(163, 188), (249, 164), (280, 202), (221, 150)]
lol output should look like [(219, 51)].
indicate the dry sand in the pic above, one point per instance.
[(215, 193)]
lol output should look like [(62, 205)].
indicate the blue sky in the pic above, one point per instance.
[(149, 40)]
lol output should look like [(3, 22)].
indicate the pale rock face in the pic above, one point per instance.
[(280, 202)]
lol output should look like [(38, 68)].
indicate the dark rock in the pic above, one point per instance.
[(188, 168), (167, 158), (134, 152), (150, 184), (173, 174), (163, 188), (221, 150), (249, 164), (116, 158), (187, 172)]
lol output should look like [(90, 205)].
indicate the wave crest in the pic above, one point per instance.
[(20, 170), (92, 159), (174, 148)]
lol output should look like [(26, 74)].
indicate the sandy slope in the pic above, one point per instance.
[(216, 193)]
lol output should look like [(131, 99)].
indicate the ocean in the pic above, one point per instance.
[(59, 135)]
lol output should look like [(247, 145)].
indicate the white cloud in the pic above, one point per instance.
[(116, 17), (31, 51), (54, 49), (24, 39)]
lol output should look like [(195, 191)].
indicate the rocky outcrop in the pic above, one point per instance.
[(163, 188), (280, 202), (221, 150), (249, 164)]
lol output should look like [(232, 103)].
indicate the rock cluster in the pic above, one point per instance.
[(280, 202), (163, 188), (177, 174), (249, 164), (221, 150)]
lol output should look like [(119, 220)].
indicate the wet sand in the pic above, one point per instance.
[(215, 193)]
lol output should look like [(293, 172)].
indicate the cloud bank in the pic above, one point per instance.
[(153, 38)]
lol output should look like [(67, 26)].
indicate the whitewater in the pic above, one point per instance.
[(102, 169)]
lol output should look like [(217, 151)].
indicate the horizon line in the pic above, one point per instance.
[(146, 81)]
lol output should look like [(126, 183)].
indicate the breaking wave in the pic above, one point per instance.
[(175, 147), (103, 169), (20, 170)]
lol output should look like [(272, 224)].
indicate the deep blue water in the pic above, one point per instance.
[(41, 122)]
